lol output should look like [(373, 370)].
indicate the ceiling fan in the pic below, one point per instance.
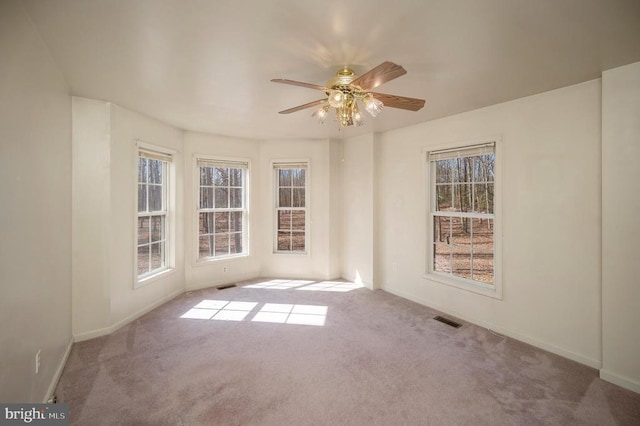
[(346, 89)]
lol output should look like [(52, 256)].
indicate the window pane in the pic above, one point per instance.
[(222, 198), (143, 260), (443, 198), (235, 195), (463, 169), (441, 258), (155, 198), (155, 171), (235, 243), (442, 229), (221, 244), (157, 228), (298, 220), (222, 222), (142, 198), (297, 241), (236, 221), (444, 171), (157, 256), (482, 197), (142, 170), (206, 198), (462, 197), (206, 223), (284, 177), (143, 230), (298, 197), (204, 246), (483, 267), (221, 177), (284, 197), (482, 234), (298, 177), (284, 219), (461, 231), (206, 176), (461, 262), (284, 240), (235, 178), (484, 165)]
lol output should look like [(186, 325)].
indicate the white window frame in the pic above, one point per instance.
[(277, 165), (492, 290), (200, 160), (150, 151)]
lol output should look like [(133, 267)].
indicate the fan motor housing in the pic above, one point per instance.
[(342, 79)]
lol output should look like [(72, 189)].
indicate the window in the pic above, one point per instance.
[(153, 171), (222, 208), (461, 216), (291, 207)]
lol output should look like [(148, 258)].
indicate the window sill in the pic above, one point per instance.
[(152, 278), (213, 260), (493, 291), (292, 253)]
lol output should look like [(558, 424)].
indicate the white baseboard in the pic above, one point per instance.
[(58, 373), (88, 335), (115, 326), (621, 381), (593, 363)]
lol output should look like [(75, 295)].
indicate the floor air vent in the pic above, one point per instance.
[(447, 321), (222, 287)]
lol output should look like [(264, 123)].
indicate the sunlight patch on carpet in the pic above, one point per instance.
[(280, 313), (292, 314), (221, 310)]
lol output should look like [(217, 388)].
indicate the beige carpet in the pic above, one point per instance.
[(278, 352)]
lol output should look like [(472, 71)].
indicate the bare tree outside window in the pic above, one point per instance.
[(222, 210), (291, 209), (462, 214), (152, 215)]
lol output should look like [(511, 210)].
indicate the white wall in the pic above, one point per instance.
[(90, 213), (551, 218), (621, 226), (316, 264), (35, 225), (104, 205), (358, 192), (212, 273), (335, 208)]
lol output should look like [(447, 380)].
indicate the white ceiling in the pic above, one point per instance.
[(206, 65)]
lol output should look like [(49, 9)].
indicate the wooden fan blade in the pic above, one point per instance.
[(305, 106), (384, 72), (299, 83), (402, 102)]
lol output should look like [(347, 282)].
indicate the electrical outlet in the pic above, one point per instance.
[(225, 269), (38, 362)]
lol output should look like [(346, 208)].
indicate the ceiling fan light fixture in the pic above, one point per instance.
[(372, 105), (321, 113), (357, 117), (336, 98)]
